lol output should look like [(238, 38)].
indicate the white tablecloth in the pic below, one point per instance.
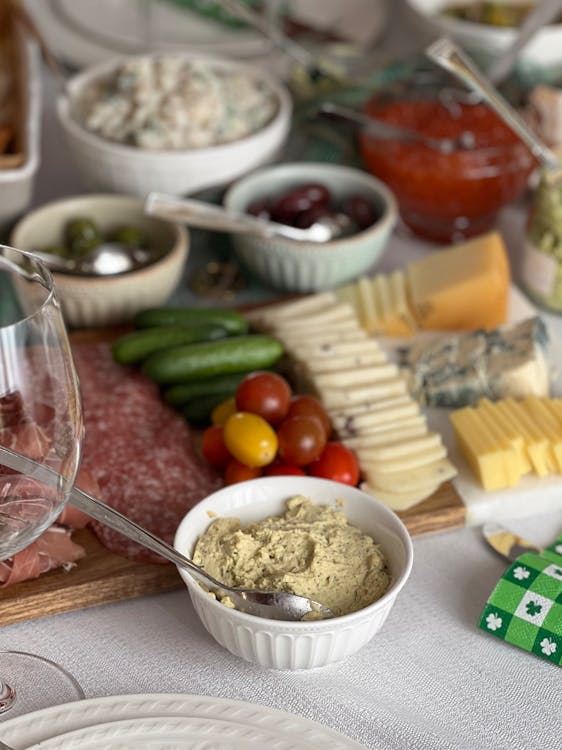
[(430, 680)]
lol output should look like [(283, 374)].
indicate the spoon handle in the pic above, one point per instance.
[(206, 216), (105, 514), (450, 57), (542, 14), (384, 130)]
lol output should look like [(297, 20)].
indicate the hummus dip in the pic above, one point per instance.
[(309, 550)]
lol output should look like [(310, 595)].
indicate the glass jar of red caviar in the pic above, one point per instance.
[(446, 196)]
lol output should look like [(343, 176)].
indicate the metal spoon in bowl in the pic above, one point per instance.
[(450, 57), (274, 605), (107, 259), (206, 216), (386, 131)]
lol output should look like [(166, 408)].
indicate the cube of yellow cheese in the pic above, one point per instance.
[(462, 288), (493, 460)]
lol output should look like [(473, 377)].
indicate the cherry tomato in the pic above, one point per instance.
[(301, 440), (223, 411), (309, 406), (278, 470), (250, 439), (336, 462), (237, 472), (213, 447), (266, 394)]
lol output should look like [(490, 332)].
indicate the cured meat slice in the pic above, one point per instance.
[(140, 452), (53, 549)]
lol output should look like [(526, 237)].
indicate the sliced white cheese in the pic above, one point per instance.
[(356, 376), (335, 364), (369, 315), (338, 397), (410, 428), (377, 467), (294, 308), (409, 448), (411, 480), (399, 501)]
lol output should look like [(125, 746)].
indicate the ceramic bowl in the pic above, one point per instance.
[(312, 266), (487, 42), (89, 301), (295, 645), (105, 165)]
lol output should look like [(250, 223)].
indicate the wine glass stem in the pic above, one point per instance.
[(7, 697)]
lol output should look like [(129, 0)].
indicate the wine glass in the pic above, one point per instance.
[(41, 418)]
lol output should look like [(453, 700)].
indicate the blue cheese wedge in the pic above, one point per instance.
[(456, 371)]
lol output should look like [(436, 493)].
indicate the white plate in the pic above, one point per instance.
[(169, 733), (185, 722), (82, 32)]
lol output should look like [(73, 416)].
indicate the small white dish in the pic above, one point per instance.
[(120, 168), (295, 645), (297, 266)]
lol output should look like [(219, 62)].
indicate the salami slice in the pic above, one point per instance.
[(139, 451)]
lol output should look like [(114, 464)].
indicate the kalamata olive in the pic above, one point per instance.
[(129, 236), (360, 210), (259, 208), (294, 202), (308, 218), (81, 235)]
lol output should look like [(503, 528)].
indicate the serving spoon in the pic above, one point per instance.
[(107, 259), (449, 56), (206, 216), (386, 131), (273, 605)]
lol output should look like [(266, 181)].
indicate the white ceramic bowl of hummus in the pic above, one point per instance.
[(127, 145), (307, 644)]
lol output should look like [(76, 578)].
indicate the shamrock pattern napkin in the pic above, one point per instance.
[(525, 608)]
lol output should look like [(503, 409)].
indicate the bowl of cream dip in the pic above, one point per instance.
[(314, 537), (170, 122)]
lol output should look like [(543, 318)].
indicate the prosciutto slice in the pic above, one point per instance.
[(53, 549)]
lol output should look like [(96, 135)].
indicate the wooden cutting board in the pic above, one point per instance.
[(103, 577)]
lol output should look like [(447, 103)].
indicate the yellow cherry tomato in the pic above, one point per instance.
[(222, 412), (250, 439)]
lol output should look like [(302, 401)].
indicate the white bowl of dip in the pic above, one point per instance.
[(106, 164), (306, 644)]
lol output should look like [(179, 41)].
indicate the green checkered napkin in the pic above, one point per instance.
[(525, 608)]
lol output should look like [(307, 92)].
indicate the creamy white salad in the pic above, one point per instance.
[(167, 102)]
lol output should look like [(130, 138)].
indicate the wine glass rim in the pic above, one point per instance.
[(40, 273)]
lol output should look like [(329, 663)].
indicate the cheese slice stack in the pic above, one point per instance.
[(505, 440), (437, 292), (366, 396)]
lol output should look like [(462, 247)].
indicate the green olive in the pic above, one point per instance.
[(129, 236), (81, 235), (59, 250)]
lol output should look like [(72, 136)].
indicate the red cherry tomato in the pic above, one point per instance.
[(309, 406), (266, 394), (301, 440), (237, 472), (279, 470), (213, 447), (336, 462)]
